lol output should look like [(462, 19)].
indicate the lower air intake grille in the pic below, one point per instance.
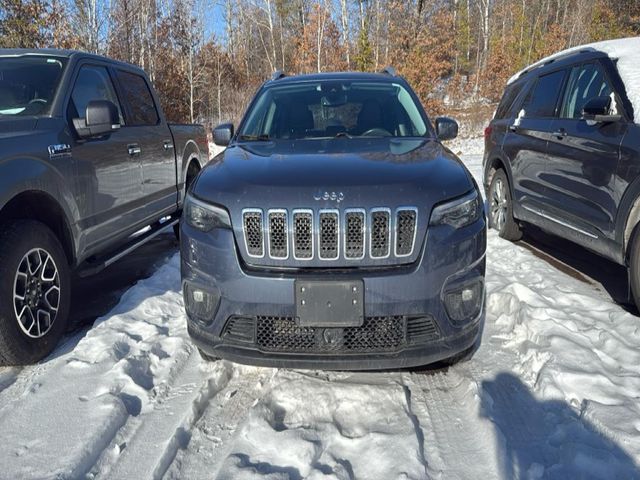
[(240, 329), (377, 334), (422, 329)]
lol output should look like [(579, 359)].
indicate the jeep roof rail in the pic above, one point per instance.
[(389, 70), (277, 75)]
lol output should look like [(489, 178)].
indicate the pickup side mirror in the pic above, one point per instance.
[(222, 134), (597, 110), (446, 128), (101, 117)]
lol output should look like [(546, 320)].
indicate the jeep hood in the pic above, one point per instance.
[(368, 172)]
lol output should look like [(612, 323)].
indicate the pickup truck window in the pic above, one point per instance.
[(93, 83), (138, 97), (28, 84), (327, 109)]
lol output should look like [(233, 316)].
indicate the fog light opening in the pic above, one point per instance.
[(463, 303), (200, 304)]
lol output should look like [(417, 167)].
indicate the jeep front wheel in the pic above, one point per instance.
[(34, 292)]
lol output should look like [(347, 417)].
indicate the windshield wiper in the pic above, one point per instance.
[(255, 138), (343, 134)]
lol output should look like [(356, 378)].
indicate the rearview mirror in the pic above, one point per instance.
[(101, 117), (446, 128), (222, 134), (597, 109)]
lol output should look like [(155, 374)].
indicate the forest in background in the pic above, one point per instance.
[(457, 54)]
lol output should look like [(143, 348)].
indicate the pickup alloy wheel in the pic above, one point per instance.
[(501, 208), (34, 292)]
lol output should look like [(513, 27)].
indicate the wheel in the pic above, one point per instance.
[(206, 357), (501, 208), (192, 172), (634, 267), (34, 292)]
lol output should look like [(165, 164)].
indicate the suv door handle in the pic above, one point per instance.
[(134, 149), (560, 134), (513, 128), (167, 145)]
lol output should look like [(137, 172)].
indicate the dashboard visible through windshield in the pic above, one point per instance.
[(328, 109), (28, 84)]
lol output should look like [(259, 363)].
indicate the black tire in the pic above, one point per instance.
[(634, 268), (206, 357), (501, 208), (26, 342), (192, 172)]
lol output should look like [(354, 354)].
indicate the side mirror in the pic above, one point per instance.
[(222, 134), (446, 128), (101, 117), (597, 110)]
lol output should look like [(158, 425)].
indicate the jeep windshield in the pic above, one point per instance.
[(28, 84), (329, 109)]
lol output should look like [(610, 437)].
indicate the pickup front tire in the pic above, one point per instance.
[(34, 292)]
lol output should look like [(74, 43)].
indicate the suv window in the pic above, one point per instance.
[(510, 94), (543, 97), (585, 82), (93, 83), (139, 99)]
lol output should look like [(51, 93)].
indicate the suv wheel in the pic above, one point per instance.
[(634, 268), (34, 292), (501, 208)]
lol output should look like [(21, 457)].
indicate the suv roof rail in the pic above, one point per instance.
[(277, 75), (389, 70)]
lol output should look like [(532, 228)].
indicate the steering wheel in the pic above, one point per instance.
[(38, 100), (377, 132)]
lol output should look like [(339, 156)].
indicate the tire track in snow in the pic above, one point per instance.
[(447, 405), (211, 434)]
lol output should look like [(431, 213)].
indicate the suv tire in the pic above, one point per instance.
[(501, 208), (634, 268), (35, 286)]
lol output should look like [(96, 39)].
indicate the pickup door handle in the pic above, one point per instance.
[(560, 134), (167, 145), (134, 149)]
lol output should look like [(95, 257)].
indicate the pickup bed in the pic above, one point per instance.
[(89, 170)]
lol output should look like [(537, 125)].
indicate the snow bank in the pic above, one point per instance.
[(627, 53)]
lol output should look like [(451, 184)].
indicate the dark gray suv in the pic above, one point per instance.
[(563, 152), (335, 231)]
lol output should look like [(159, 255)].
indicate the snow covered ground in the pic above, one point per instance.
[(553, 392)]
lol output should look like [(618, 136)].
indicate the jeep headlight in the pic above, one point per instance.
[(458, 213), (205, 216)]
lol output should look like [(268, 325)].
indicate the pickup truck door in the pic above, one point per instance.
[(154, 139), (107, 183), (583, 159)]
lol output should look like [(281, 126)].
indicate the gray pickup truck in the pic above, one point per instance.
[(89, 170)]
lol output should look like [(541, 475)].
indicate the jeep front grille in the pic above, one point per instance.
[(351, 234), (253, 232)]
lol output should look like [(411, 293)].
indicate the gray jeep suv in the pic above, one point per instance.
[(335, 231)]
